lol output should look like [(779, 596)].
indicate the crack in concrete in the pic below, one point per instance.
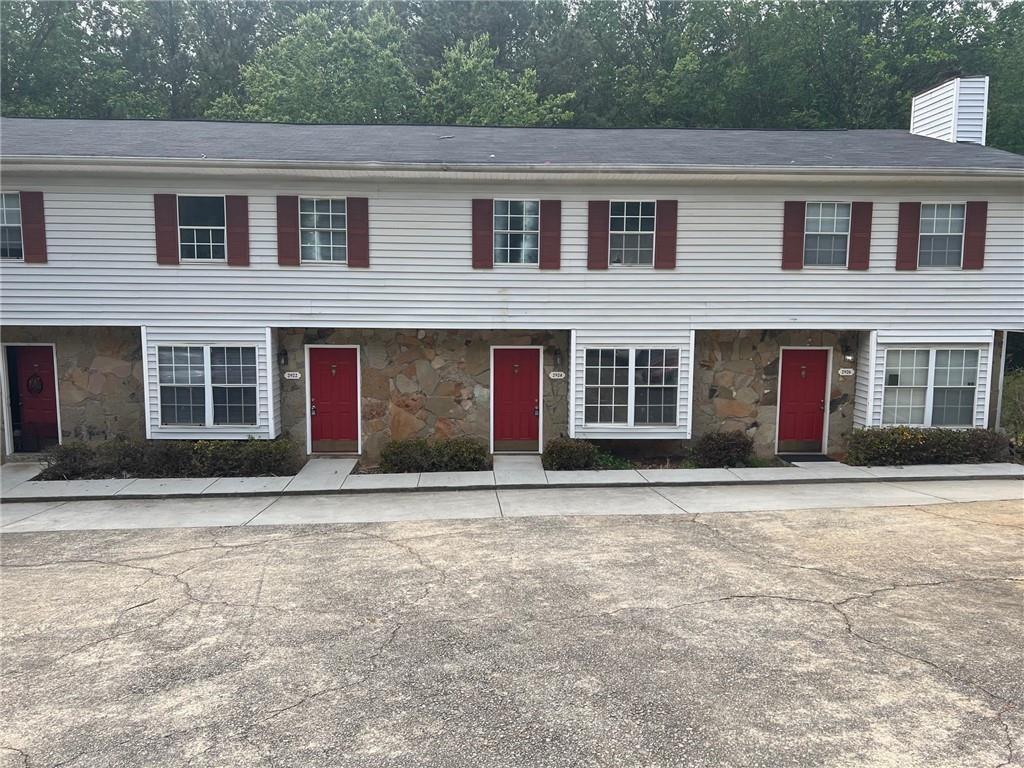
[(22, 753), (971, 520)]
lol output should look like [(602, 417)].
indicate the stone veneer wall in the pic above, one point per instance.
[(736, 383), (99, 379), (422, 383)]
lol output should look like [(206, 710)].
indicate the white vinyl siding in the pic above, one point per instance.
[(235, 378), (954, 111)]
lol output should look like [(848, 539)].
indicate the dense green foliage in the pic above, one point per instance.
[(567, 454), (897, 446), (1013, 408), (759, 64), (722, 449), (457, 454), (172, 458)]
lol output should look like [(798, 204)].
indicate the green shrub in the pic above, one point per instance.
[(170, 458), (71, 461), (120, 457), (1013, 407), (271, 457), (564, 453), (722, 449), (459, 454), (886, 446)]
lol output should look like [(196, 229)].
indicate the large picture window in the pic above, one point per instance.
[(323, 229), (631, 387), (207, 386), (201, 229), (516, 231), (631, 233), (942, 235), (930, 387), (10, 227), (826, 234)]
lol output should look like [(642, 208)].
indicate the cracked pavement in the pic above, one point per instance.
[(839, 637)]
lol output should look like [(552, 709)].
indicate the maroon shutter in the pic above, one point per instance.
[(665, 215), (860, 236), (288, 230), (597, 234), (33, 227), (908, 235), (974, 234), (550, 234), (483, 234), (357, 210), (793, 234), (236, 209), (165, 209)]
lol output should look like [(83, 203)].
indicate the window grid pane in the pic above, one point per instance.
[(10, 226), (954, 376), (631, 233), (606, 390), (955, 379), (323, 228), (201, 228), (942, 234), (906, 386), (656, 381), (826, 234), (516, 231), (233, 377), (181, 374)]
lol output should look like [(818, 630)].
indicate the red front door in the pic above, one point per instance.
[(34, 404), (516, 399), (334, 399), (802, 400)]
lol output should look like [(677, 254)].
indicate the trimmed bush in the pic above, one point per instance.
[(172, 458), (887, 446), (722, 449), (459, 454), (564, 453), (1013, 407)]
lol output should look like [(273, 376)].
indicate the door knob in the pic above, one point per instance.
[(823, 406), (312, 410), (536, 411)]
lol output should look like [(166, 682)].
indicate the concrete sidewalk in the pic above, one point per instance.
[(492, 503), (333, 475)]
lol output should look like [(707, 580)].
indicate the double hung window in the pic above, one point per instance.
[(930, 387), (207, 386), (201, 228), (631, 387)]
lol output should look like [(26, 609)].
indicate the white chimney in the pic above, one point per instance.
[(955, 111)]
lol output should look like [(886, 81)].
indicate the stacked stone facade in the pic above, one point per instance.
[(417, 383), (736, 383)]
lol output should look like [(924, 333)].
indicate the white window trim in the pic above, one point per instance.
[(208, 386), (963, 237), (654, 242), (631, 390), (803, 253), (319, 262), (21, 231), (521, 265), (177, 215), (930, 387)]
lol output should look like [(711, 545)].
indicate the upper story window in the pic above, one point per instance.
[(930, 387), (10, 227), (631, 233), (942, 235), (516, 231), (631, 387), (207, 386), (201, 228), (826, 234), (323, 229)]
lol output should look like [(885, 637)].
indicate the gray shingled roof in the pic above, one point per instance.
[(499, 147)]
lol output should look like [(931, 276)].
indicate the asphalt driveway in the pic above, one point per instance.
[(858, 637)]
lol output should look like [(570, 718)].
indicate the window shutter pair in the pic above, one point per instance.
[(550, 241), (357, 234), (665, 226), (33, 227), (793, 217), (909, 234), (236, 225)]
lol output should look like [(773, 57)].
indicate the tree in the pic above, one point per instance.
[(470, 89)]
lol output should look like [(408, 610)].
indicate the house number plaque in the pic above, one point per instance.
[(846, 371), (292, 375), (556, 375)]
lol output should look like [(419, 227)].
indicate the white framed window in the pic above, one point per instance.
[(11, 245), (516, 231), (201, 228), (207, 386), (941, 241), (631, 387), (631, 233), (826, 234), (323, 229), (930, 387)]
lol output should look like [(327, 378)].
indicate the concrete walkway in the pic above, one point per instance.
[(333, 475), (286, 509)]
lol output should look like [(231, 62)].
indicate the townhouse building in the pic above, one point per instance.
[(350, 285)]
